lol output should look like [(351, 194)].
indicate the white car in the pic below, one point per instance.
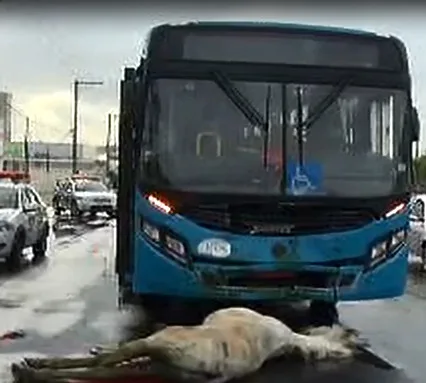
[(24, 222), (417, 234), (92, 196)]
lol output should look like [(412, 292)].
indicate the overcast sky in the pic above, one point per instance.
[(42, 51)]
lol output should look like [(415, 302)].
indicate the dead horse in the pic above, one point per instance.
[(229, 344)]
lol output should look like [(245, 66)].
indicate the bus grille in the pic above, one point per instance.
[(310, 279), (257, 219)]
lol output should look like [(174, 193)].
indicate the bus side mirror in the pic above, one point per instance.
[(415, 125)]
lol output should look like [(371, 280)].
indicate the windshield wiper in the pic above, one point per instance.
[(266, 126), (303, 126), (300, 126), (239, 100), (325, 103), (244, 105)]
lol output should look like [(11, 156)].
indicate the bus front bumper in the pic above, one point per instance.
[(157, 274)]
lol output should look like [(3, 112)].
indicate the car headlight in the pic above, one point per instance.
[(381, 250), (5, 226)]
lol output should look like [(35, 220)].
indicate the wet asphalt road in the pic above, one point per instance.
[(67, 304)]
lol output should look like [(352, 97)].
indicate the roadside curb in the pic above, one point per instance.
[(374, 358)]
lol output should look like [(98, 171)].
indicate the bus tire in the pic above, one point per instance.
[(126, 297)]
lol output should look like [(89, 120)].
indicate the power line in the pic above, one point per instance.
[(36, 124), (76, 84)]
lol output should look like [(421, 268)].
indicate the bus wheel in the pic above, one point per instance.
[(169, 311), (322, 313), (126, 297), (155, 308)]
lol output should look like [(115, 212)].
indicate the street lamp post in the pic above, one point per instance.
[(112, 118), (78, 83)]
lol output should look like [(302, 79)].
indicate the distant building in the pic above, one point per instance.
[(38, 149), (5, 120), (57, 150), (101, 151)]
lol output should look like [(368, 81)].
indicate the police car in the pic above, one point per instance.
[(83, 194), (24, 220), (417, 234)]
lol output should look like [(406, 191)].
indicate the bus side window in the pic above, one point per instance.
[(150, 129), (382, 129)]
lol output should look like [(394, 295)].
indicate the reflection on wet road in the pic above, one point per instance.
[(395, 328), (67, 304)]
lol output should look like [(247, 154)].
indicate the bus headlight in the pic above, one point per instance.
[(151, 231), (379, 252), (175, 247), (166, 240), (398, 238), (387, 247)]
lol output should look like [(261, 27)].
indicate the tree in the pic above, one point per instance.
[(112, 179), (420, 168)]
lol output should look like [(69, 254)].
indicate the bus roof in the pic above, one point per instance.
[(276, 25), (363, 50), (288, 26)]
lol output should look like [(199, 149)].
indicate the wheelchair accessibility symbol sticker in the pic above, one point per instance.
[(304, 180)]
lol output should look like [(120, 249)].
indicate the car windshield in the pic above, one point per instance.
[(201, 140), (90, 186), (8, 198)]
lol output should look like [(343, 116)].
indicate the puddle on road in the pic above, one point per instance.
[(10, 303), (118, 326), (60, 306), (9, 300)]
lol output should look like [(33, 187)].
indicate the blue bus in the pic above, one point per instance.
[(265, 163)]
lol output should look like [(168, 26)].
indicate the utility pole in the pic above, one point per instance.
[(76, 85), (74, 132), (114, 145), (26, 148), (47, 159), (108, 145)]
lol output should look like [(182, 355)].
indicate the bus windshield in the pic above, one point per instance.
[(202, 142)]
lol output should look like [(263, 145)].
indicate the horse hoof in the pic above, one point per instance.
[(34, 363), (21, 373)]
